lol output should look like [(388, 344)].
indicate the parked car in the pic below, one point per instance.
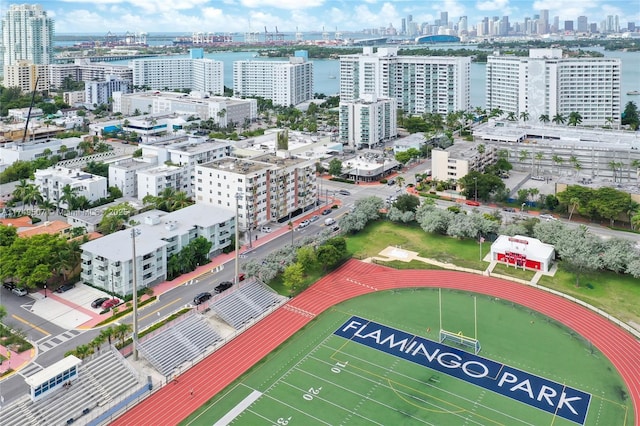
[(547, 217), (335, 228), (391, 182), (9, 285), (472, 203), (65, 287), (329, 221), (304, 224), (509, 209), (98, 302), (326, 212), (241, 276), (110, 303), (19, 291), (224, 285), (344, 192), (314, 218), (266, 229), (201, 298)]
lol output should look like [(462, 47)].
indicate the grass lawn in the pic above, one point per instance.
[(619, 295), (319, 378), (513, 272)]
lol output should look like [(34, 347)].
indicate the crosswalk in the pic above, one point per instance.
[(31, 369), (50, 342)]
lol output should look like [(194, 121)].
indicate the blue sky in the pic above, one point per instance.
[(119, 16)]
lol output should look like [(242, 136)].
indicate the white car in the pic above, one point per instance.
[(266, 229), (19, 291), (304, 224), (547, 217)]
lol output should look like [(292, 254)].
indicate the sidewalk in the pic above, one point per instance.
[(15, 361)]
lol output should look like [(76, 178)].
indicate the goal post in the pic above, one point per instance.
[(460, 339)]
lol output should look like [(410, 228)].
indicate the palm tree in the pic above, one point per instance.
[(539, 157), (495, 112), (121, 331), (544, 119), (558, 161), (98, 341), (511, 116), (533, 192), (613, 165), (48, 207), (574, 202), (481, 149), (635, 221), (558, 119), (631, 210), (523, 155), (32, 196), (180, 200), (83, 351), (20, 190), (108, 333), (636, 164), (524, 116), (400, 181), (68, 196), (575, 163), (575, 118)]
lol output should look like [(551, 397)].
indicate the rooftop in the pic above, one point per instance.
[(54, 227), (155, 226)]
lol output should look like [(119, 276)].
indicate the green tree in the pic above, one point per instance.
[(293, 276), (21, 189), (574, 118), (306, 256), (539, 157), (524, 116), (486, 184), (7, 235), (407, 202), (335, 167), (630, 116), (328, 256), (68, 196), (114, 218), (544, 118), (580, 251), (558, 119)]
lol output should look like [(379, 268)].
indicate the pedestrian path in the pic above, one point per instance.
[(50, 342), (31, 369)]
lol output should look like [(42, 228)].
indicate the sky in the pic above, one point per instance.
[(166, 16)]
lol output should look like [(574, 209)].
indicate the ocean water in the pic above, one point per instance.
[(325, 69)]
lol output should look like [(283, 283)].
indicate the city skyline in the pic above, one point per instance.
[(102, 16)]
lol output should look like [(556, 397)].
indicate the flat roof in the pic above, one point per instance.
[(532, 247), (117, 246), (53, 370), (554, 135)]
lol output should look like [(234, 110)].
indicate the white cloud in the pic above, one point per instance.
[(499, 5), (282, 4)]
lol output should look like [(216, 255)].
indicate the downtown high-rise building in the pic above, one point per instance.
[(547, 84), (27, 35), (418, 84)]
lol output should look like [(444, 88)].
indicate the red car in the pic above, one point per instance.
[(472, 203), (110, 303)]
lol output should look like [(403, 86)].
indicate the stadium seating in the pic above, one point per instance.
[(184, 341), (245, 303), (103, 379)]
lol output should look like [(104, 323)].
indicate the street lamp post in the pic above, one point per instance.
[(45, 291), (238, 198), (134, 339), (249, 219), (475, 181)]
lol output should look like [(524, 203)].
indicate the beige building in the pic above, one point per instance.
[(272, 187), (24, 74), (461, 158)]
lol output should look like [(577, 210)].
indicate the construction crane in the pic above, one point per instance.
[(279, 35), (33, 98), (268, 37)]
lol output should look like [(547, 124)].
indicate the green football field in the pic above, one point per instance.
[(320, 378)]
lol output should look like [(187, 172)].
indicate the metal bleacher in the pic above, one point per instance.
[(102, 379), (249, 301), (184, 341)]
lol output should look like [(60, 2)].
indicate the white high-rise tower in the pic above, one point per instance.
[(27, 34)]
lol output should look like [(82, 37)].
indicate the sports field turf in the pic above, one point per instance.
[(319, 378)]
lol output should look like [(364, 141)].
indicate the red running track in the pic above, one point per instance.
[(174, 402)]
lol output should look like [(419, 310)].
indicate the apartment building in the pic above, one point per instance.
[(123, 174), (27, 34), (272, 188), (193, 73), (461, 158), (85, 70), (419, 84), (25, 74), (108, 261), (51, 182), (368, 121), (221, 110), (547, 84), (32, 150), (101, 92), (285, 83)]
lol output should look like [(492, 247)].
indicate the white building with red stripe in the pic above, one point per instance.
[(523, 252)]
